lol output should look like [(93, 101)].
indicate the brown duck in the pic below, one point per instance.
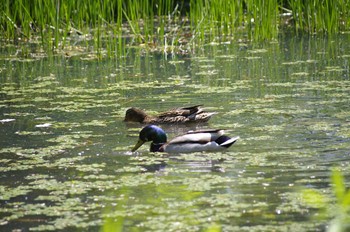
[(178, 115)]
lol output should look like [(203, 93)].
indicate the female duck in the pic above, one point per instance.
[(193, 141), (178, 115)]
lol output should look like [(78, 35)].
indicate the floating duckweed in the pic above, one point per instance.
[(344, 132), (5, 161), (255, 51), (44, 125), (72, 174), (300, 74), (292, 63), (283, 84), (279, 96), (8, 193), (96, 168), (20, 114), (300, 201), (53, 198), (309, 61), (207, 73), (51, 77), (203, 59), (334, 69), (67, 162), (42, 99), (99, 177), (174, 62), (206, 182), (37, 176), (342, 97), (95, 123), (215, 90), (227, 57), (66, 125), (71, 138), (253, 57), (6, 120), (270, 128), (13, 100), (23, 106)]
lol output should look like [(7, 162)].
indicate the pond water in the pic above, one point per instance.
[(65, 150)]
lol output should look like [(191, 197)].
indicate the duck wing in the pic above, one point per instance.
[(200, 136), (182, 111), (201, 117), (220, 144), (185, 114)]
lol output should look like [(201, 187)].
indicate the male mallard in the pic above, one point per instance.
[(193, 141), (178, 115)]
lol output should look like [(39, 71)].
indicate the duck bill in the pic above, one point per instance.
[(137, 145)]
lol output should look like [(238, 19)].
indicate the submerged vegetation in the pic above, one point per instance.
[(170, 26)]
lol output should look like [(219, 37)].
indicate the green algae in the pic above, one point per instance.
[(300, 74), (77, 173), (344, 132), (8, 193), (95, 123)]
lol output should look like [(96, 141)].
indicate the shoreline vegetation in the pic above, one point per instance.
[(107, 28)]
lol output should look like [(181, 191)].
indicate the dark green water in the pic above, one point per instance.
[(65, 160)]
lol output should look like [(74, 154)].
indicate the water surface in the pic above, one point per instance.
[(65, 150)]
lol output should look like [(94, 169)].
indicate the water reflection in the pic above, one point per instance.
[(288, 101)]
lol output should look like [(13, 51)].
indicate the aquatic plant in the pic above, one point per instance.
[(339, 210), (325, 16), (342, 218), (162, 25)]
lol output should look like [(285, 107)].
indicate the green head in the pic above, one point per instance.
[(151, 133)]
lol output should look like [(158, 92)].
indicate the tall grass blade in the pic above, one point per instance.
[(158, 23)]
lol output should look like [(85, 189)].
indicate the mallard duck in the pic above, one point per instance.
[(192, 141), (178, 115)]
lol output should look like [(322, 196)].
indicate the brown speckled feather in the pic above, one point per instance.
[(183, 111), (178, 115)]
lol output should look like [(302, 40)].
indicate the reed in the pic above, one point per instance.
[(326, 16), (159, 23), (262, 19)]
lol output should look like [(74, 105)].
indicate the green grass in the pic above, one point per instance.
[(326, 16), (107, 26)]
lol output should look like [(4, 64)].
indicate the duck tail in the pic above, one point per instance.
[(225, 141), (201, 116)]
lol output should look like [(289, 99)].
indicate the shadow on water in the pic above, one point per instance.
[(65, 150)]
